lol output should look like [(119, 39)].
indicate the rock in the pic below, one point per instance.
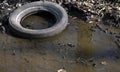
[(104, 63), (2, 29), (74, 18), (71, 45), (18, 5), (81, 60), (9, 9), (90, 60), (0, 24), (61, 70), (91, 22), (118, 8)]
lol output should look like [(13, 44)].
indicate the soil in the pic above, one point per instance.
[(81, 47)]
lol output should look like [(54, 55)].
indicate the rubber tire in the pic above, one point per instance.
[(55, 9)]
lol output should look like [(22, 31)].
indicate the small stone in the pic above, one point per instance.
[(70, 45), (9, 9), (91, 22), (18, 5), (118, 8), (61, 70), (74, 18), (3, 7), (104, 63), (90, 60)]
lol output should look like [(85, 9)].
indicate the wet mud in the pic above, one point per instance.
[(76, 49), (82, 47)]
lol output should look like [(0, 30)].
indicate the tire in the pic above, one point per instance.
[(55, 9)]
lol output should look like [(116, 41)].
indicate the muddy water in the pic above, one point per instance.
[(76, 49), (39, 20)]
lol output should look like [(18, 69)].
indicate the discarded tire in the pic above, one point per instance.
[(55, 9)]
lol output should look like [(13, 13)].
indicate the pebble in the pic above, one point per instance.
[(104, 63), (3, 7), (71, 45), (9, 9), (0, 24), (61, 70), (74, 18), (18, 5), (90, 60), (118, 8), (91, 22)]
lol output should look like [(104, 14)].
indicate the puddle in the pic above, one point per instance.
[(39, 20), (84, 39), (77, 49)]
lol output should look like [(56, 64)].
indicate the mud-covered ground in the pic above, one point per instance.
[(81, 47), (77, 49)]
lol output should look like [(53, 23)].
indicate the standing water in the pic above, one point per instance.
[(76, 49)]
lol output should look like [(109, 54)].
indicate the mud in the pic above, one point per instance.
[(82, 47), (77, 49)]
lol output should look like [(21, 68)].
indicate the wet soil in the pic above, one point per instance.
[(76, 49)]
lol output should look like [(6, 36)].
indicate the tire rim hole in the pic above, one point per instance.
[(38, 20)]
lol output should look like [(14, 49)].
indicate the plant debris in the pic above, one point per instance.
[(105, 11)]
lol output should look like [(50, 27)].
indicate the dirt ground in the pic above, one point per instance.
[(76, 49)]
